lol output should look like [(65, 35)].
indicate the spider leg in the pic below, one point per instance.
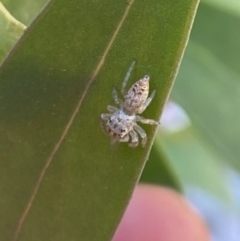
[(124, 139), (124, 83), (142, 133), (105, 116), (146, 121), (134, 139), (116, 98), (147, 102), (112, 109)]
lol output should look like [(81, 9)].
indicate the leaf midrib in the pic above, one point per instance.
[(69, 124)]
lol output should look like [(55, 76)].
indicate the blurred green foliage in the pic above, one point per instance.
[(208, 85), (24, 10), (208, 88)]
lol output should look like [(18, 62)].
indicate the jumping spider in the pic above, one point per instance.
[(121, 123)]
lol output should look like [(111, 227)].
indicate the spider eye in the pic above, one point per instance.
[(122, 130)]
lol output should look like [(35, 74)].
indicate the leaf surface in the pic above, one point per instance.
[(60, 177)]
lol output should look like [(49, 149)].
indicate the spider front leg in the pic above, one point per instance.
[(124, 83), (105, 116), (117, 100), (147, 102), (134, 139), (146, 121), (112, 109), (142, 133), (124, 139)]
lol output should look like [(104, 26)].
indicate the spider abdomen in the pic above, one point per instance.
[(137, 95)]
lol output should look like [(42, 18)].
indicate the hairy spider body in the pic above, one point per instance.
[(136, 96), (121, 123)]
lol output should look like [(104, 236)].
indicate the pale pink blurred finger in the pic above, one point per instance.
[(160, 214)]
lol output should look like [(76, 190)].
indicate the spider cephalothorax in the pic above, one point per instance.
[(121, 123)]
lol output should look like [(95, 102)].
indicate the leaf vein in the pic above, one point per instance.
[(69, 124)]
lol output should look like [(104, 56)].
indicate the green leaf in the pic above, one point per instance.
[(60, 177), (195, 164), (231, 6), (212, 100), (11, 31), (215, 30), (158, 170), (208, 82), (24, 10)]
